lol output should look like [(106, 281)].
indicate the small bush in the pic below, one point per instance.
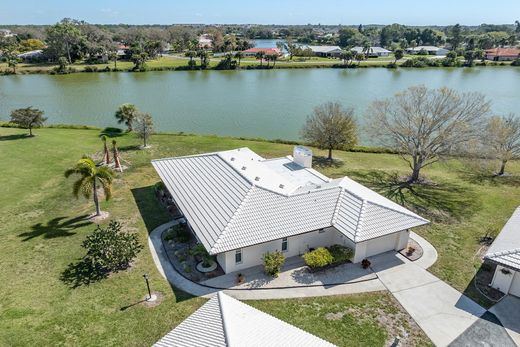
[(320, 257), (178, 233), (273, 262), (365, 263), (90, 68), (340, 253), (516, 62), (200, 251)]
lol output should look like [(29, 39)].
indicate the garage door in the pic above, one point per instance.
[(381, 245), (515, 285)]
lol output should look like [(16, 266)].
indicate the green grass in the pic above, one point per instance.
[(41, 232)]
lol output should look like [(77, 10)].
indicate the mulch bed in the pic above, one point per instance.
[(418, 253)]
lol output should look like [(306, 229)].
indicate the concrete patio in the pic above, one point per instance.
[(508, 312), (294, 274)]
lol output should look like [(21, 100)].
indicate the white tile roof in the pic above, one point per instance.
[(227, 322), (505, 249), (324, 49), (359, 49), (235, 199)]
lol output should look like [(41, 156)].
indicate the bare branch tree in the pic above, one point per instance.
[(331, 126), (502, 139), (425, 124), (144, 127)]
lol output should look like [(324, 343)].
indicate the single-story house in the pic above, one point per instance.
[(431, 50), (31, 55), (505, 252), (6, 33), (374, 52), (251, 52), (325, 51), (205, 41), (226, 322), (502, 54), (240, 206)]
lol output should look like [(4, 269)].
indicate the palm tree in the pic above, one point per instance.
[(115, 153), (367, 49), (273, 58), (106, 153), (360, 57), (90, 177), (260, 56), (126, 114), (239, 56)]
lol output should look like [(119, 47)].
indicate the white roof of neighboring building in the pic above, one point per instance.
[(323, 49), (30, 53), (426, 48), (236, 198), (505, 249), (372, 50), (227, 322)]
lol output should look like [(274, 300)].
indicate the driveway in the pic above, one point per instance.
[(508, 312), (440, 310)]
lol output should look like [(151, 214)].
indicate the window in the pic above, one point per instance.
[(238, 256), (284, 244)]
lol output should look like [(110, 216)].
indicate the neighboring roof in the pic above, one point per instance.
[(259, 49), (372, 50), (235, 199), (324, 49), (227, 322), (505, 250), (514, 52), (426, 48), (29, 54)]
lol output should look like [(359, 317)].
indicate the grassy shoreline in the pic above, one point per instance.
[(42, 229)]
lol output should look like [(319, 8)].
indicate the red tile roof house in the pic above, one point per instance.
[(502, 54), (251, 52), (240, 206)]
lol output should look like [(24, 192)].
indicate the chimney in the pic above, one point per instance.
[(302, 156)]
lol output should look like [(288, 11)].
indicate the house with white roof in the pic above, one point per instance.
[(240, 206), (431, 50), (325, 51), (373, 52), (505, 252), (226, 322)]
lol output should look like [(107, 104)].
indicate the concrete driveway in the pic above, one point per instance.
[(439, 309), (508, 312)]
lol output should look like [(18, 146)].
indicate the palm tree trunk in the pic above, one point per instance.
[(117, 164), (96, 200), (107, 154), (502, 168), (330, 154)]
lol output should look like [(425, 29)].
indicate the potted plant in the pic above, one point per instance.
[(410, 251), (240, 278), (365, 263)]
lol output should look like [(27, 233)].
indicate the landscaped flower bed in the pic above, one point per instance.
[(327, 257)]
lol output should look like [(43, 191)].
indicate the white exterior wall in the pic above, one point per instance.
[(503, 281), (397, 242), (297, 245)]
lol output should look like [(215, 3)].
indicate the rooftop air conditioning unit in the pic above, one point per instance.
[(302, 156)]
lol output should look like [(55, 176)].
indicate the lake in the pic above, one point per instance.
[(256, 103)]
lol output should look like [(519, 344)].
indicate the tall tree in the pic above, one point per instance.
[(423, 124), (331, 126), (398, 54), (260, 56), (455, 38), (90, 177), (64, 39), (126, 113), (28, 118), (502, 139), (239, 55), (144, 127)]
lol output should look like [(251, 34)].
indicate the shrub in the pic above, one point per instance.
[(516, 62), (199, 251), (320, 257), (365, 263), (340, 253), (273, 262), (90, 68), (110, 249), (178, 233)]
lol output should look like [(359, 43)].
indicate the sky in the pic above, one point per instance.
[(416, 12)]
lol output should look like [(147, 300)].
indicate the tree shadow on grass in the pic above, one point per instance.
[(15, 137), (82, 273), (480, 177), (112, 132), (56, 227), (324, 162), (441, 201), (129, 148)]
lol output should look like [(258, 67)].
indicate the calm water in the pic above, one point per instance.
[(267, 103)]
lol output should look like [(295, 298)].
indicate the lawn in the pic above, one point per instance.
[(42, 232)]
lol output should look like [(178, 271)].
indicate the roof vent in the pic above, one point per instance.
[(232, 158), (243, 168), (257, 178), (281, 186)]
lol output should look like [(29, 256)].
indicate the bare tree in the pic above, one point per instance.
[(502, 139), (28, 118), (425, 124), (331, 126), (144, 127)]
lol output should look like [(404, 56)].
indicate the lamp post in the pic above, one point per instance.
[(146, 277)]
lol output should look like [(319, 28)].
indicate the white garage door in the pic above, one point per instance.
[(381, 245), (515, 285)]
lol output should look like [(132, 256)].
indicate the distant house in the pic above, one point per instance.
[(374, 52), (325, 51), (251, 52), (31, 55), (431, 50), (205, 41), (6, 33), (123, 51), (240, 206), (224, 321), (505, 252), (502, 54)]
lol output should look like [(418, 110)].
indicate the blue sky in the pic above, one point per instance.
[(416, 12)]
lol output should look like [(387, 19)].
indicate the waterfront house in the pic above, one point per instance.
[(430, 50), (240, 206), (6, 33), (205, 41), (31, 55), (251, 52), (373, 52), (224, 321), (505, 252), (325, 51), (503, 54)]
